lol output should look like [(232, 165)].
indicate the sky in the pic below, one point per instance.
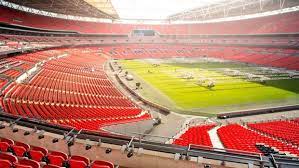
[(155, 9)]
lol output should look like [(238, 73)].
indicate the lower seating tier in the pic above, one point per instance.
[(237, 137), (68, 87), (21, 155), (197, 135), (284, 130)]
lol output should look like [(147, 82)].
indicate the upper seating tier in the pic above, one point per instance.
[(280, 23)]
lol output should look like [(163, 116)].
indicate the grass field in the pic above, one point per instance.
[(164, 83)]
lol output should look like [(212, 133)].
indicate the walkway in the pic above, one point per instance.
[(215, 138)]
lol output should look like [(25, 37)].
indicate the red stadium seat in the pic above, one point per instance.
[(28, 162), (285, 130), (55, 160), (77, 164), (9, 141), (51, 166), (80, 158), (100, 102), (9, 157), (234, 136), (18, 150), (99, 166), (41, 149), (99, 163), (197, 135), (4, 146), (26, 146), (5, 164), (61, 154), (36, 155), (18, 165)]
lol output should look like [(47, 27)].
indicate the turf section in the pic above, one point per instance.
[(230, 93)]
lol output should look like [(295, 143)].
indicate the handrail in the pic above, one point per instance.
[(147, 145)]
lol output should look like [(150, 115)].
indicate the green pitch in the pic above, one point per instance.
[(178, 86)]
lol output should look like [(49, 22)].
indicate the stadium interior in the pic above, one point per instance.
[(212, 85)]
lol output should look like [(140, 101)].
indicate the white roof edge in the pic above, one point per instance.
[(250, 16)]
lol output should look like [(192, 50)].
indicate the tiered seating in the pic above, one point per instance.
[(2, 82), (21, 155), (285, 130), (32, 58), (64, 98), (197, 135), (279, 23), (296, 120), (96, 123), (236, 137), (71, 90), (285, 58), (150, 51), (11, 73), (12, 66)]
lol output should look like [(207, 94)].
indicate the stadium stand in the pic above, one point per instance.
[(284, 130), (21, 155), (235, 136), (284, 58), (53, 78), (69, 91), (270, 24), (197, 135)]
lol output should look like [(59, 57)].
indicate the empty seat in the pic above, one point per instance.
[(9, 141), (234, 136), (285, 130), (4, 146), (26, 146), (196, 135), (55, 160), (28, 162), (77, 164), (99, 166), (38, 148), (66, 82), (51, 166), (102, 164), (5, 163), (9, 157), (18, 165), (36, 155), (63, 155), (80, 158), (18, 150)]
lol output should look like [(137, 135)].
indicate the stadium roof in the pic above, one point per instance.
[(105, 6), (156, 9), (229, 8), (86, 8), (149, 11)]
